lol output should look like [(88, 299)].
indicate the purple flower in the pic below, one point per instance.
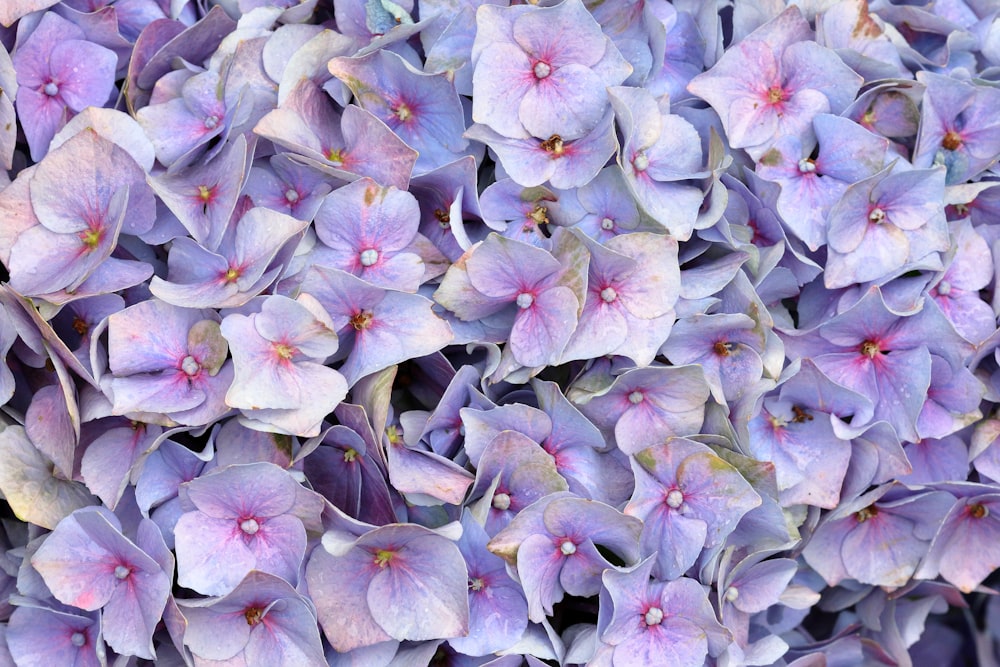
[(503, 273), (883, 222), (263, 621), (653, 622), (87, 562), (554, 544), (367, 230), (687, 499), (377, 327), (52, 84), (400, 581), (774, 82), (965, 549), (242, 518), (644, 406), (280, 382), (542, 71), (170, 360), (876, 541), (40, 637), (422, 109)]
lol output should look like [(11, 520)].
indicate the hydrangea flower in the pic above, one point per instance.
[(647, 621), (542, 71), (52, 85), (170, 360), (87, 562), (242, 518), (774, 82), (261, 621)]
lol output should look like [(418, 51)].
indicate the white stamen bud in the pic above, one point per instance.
[(190, 365), (608, 294), (501, 501), (567, 548), (249, 526), (122, 572), (675, 498), (51, 88), (654, 616), (636, 397), (524, 300), (542, 70), (369, 257)]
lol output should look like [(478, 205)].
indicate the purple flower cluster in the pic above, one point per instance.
[(478, 332)]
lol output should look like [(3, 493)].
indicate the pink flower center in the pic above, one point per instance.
[(291, 195), (122, 572), (608, 294), (978, 511), (675, 498), (524, 300), (607, 224), (876, 215), (776, 95), (477, 584), (254, 615), (541, 69), (952, 141), (51, 89), (211, 122), (567, 548), (78, 639), (865, 514), (501, 501)]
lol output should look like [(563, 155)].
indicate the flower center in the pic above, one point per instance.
[(350, 455), (775, 95), (335, 155), (81, 327), (382, 557), (608, 294), (554, 145), (51, 88), (211, 122), (541, 70), (78, 639), (524, 300), (944, 288), (723, 348), (654, 616), (801, 416), (870, 348), (361, 320), (952, 141), (876, 215), (807, 166), (640, 162), (675, 498), (291, 195), (567, 548), (501, 501), (444, 218), (122, 572), (231, 274), (865, 514), (636, 397), (91, 238), (369, 257), (477, 584), (284, 351), (190, 365), (249, 526), (607, 224), (731, 594), (979, 511), (253, 615), (403, 112)]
